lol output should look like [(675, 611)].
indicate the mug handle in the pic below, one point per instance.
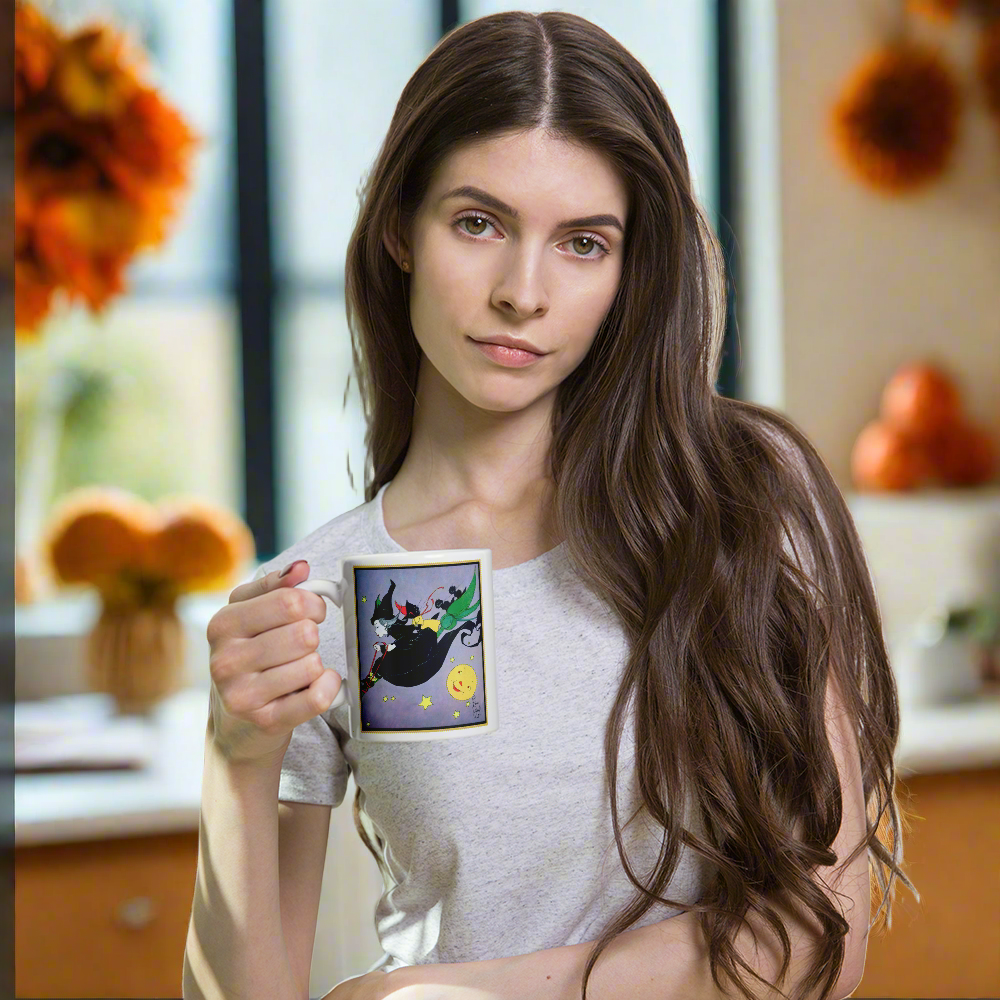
[(332, 590)]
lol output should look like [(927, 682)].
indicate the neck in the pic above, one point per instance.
[(459, 453)]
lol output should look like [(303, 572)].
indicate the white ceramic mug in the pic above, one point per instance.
[(419, 638)]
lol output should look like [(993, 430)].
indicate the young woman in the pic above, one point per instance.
[(695, 767)]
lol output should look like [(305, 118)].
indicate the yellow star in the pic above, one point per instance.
[(363, 599), (468, 703), (453, 659), (473, 656), (455, 714), (385, 697), (393, 697), (428, 703)]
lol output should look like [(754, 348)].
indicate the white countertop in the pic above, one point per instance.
[(959, 737), (164, 796)]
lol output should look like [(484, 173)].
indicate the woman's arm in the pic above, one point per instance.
[(664, 961), (235, 946)]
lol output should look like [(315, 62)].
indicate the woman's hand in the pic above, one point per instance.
[(371, 986), (414, 982), (267, 676)]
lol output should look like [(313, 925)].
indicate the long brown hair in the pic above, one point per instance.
[(729, 651)]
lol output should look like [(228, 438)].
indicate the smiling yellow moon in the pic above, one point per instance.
[(462, 682)]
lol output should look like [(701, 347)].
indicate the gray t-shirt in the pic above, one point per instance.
[(496, 844)]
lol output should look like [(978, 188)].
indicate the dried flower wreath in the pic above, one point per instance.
[(895, 123)]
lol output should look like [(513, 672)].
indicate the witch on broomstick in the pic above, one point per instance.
[(417, 644)]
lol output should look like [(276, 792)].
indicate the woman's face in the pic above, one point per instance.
[(514, 258)]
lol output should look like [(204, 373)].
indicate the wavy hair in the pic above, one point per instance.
[(730, 653)]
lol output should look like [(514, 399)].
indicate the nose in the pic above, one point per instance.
[(520, 291)]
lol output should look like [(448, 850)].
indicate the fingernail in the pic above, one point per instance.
[(290, 567)]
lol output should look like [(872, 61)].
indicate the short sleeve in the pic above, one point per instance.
[(314, 769)]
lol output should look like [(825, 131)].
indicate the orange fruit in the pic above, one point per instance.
[(886, 458), (921, 400), (964, 454)]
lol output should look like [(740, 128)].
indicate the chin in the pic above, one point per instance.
[(503, 401)]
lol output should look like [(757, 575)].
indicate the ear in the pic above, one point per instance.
[(397, 247)]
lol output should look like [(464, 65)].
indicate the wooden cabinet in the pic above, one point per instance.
[(104, 918), (948, 944)]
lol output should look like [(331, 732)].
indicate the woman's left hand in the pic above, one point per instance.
[(411, 982), (370, 986)]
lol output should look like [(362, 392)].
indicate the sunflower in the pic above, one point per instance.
[(101, 163), (896, 120)]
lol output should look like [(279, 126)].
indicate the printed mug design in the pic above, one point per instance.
[(424, 626)]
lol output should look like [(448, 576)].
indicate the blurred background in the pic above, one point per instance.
[(849, 159)]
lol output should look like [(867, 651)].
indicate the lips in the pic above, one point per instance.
[(512, 342)]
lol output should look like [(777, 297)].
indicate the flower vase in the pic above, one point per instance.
[(136, 655)]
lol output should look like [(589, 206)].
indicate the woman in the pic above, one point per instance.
[(708, 608)]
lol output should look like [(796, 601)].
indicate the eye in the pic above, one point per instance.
[(476, 218), (592, 241), (589, 241)]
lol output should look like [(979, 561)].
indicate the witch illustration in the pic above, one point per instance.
[(412, 649)]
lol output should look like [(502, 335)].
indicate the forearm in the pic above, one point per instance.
[(664, 961), (235, 946)]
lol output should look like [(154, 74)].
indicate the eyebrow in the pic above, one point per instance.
[(468, 191)]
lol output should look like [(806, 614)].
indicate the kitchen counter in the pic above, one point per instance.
[(164, 796)]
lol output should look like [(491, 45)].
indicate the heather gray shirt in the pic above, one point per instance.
[(498, 844)]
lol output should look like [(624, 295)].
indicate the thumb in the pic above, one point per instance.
[(291, 576)]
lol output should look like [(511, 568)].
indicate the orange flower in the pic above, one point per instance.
[(33, 289), (101, 162), (90, 78), (35, 50), (896, 121), (84, 241), (150, 149), (34, 295), (57, 154), (135, 553)]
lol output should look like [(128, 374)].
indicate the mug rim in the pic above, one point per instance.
[(422, 556)]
